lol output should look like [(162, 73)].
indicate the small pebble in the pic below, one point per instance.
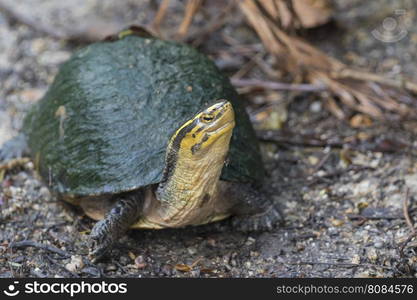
[(337, 222), (356, 259), (167, 270), (140, 262), (192, 250), (372, 255), (316, 106), (111, 268), (250, 241), (44, 192), (379, 244), (76, 263)]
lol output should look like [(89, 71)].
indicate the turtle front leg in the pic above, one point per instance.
[(117, 221)]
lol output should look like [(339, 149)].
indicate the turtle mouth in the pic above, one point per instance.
[(223, 119), (222, 128)]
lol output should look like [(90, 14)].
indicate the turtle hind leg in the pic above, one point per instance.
[(116, 222), (254, 210), (261, 221), (16, 147)]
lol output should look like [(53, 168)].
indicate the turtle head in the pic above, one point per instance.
[(195, 158), (210, 130), (202, 140)]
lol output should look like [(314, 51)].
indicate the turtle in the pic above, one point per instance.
[(146, 133)]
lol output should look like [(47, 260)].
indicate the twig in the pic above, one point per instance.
[(246, 67), (216, 23), (190, 10), (361, 217), (410, 224), (196, 262), (360, 75), (267, 68), (275, 136), (240, 48), (306, 141), (29, 243), (405, 243), (249, 51), (405, 211), (279, 86), (346, 265), (160, 14), (302, 60), (321, 162)]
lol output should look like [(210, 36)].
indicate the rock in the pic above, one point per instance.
[(76, 264), (140, 262)]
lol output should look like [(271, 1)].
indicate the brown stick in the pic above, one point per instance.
[(279, 86), (405, 211), (321, 163), (303, 141), (29, 243), (190, 10), (300, 58), (360, 75), (246, 67), (160, 14), (405, 243), (216, 23), (410, 224)]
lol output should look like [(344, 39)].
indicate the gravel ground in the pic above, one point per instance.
[(343, 208)]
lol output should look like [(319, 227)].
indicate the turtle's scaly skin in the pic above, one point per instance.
[(104, 124)]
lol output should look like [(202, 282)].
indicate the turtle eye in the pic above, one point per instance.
[(207, 118)]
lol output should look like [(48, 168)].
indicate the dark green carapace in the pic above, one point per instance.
[(104, 124)]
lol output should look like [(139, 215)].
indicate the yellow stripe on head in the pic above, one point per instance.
[(204, 129)]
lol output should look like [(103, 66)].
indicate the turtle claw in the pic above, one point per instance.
[(100, 241), (114, 225), (264, 221)]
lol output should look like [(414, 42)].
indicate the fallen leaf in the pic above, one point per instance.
[(183, 267), (337, 222), (207, 270), (360, 120)]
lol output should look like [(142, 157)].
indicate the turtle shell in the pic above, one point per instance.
[(105, 122)]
